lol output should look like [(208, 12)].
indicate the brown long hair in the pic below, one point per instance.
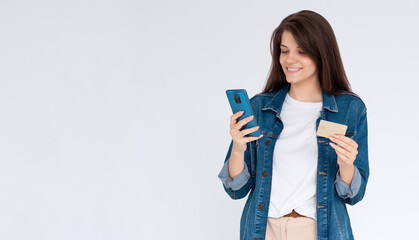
[(315, 36)]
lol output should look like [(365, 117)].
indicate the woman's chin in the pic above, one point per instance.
[(292, 80)]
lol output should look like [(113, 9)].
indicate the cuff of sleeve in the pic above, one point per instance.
[(238, 182), (343, 189)]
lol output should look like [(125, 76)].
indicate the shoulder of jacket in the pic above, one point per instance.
[(353, 99), (268, 95)]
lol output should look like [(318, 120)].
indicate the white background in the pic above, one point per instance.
[(114, 122)]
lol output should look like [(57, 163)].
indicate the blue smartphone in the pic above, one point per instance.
[(239, 101)]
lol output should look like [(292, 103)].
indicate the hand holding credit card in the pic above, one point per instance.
[(328, 129)]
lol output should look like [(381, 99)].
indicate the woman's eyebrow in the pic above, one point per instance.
[(282, 45)]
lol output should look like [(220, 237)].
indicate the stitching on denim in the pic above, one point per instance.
[(266, 94), (266, 108), (247, 216), (269, 134), (365, 109), (337, 221), (252, 159), (327, 168), (334, 101)]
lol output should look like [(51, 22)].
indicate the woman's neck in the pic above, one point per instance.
[(306, 91)]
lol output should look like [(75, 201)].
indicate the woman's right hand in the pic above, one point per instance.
[(239, 141)]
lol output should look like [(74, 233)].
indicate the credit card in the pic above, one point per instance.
[(328, 129)]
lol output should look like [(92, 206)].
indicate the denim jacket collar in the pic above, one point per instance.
[(275, 104)]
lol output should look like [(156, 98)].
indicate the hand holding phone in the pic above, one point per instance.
[(238, 135), (243, 126)]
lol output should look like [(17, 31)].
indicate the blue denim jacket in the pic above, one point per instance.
[(332, 193)]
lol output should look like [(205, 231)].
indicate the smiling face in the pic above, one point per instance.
[(297, 66)]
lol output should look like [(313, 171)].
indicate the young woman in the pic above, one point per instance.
[(300, 182)]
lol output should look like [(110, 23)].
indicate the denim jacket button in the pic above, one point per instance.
[(265, 173), (261, 206), (267, 142), (257, 238)]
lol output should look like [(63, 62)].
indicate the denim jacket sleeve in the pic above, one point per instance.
[(236, 183), (344, 190), (355, 193), (239, 186)]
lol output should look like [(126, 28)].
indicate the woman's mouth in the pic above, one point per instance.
[(293, 70)]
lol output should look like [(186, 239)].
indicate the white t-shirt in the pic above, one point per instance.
[(294, 172)]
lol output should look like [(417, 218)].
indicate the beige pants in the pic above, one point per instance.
[(290, 228)]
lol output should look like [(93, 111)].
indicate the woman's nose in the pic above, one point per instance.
[(291, 59)]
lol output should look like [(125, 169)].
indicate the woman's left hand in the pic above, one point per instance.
[(346, 149)]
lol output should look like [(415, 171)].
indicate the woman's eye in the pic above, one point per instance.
[(302, 53), (284, 52)]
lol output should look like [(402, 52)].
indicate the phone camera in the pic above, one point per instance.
[(237, 98)]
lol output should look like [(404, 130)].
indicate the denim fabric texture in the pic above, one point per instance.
[(332, 193)]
